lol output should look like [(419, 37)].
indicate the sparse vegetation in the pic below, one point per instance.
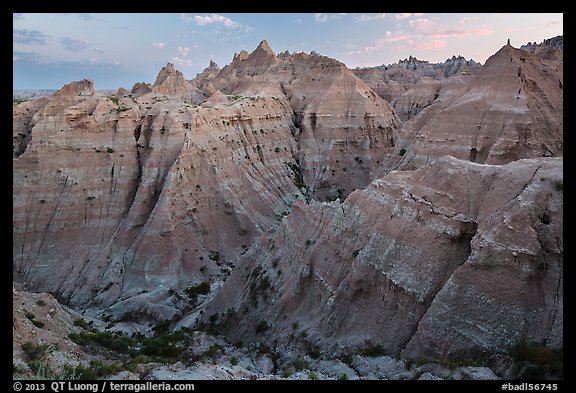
[(262, 326), (297, 171), (559, 185), (299, 364), (200, 289), (343, 377), (32, 318), (402, 151), (214, 256), (109, 150), (312, 376), (35, 352), (372, 350), (536, 362), (234, 360), (81, 322), (40, 302)]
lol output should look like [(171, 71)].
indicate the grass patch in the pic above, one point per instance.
[(533, 362), (372, 350)]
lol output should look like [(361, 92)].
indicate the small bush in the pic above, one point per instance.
[(299, 364), (343, 377), (313, 376), (109, 150), (559, 185), (40, 302), (234, 360), (373, 350), (38, 324), (81, 322), (286, 372), (402, 151), (262, 326), (36, 352), (214, 256), (201, 289)]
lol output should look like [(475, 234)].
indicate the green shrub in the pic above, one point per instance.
[(81, 322), (299, 364), (40, 302), (262, 326), (536, 362), (373, 350), (38, 324), (402, 151), (559, 185), (234, 360), (36, 351), (109, 150), (343, 377), (313, 376), (201, 289)]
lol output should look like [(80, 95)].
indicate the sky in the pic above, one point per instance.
[(119, 50)]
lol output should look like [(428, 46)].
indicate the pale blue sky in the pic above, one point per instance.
[(118, 50)]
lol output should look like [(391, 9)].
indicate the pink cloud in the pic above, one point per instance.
[(431, 45)]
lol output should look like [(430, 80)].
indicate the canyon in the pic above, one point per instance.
[(287, 202)]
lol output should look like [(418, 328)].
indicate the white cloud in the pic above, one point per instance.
[(216, 19), (182, 62), (74, 45), (183, 51), (159, 45), (406, 15), (98, 50), (370, 17), (321, 18)]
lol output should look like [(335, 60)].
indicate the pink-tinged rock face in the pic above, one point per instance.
[(512, 109), (453, 259), (146, 191)]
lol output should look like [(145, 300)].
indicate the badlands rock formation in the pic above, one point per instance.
[(125, 197), (281, 200), (411, 84), (512, 109), (453, 260)]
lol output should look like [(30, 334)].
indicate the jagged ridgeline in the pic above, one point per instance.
[(412, 210)]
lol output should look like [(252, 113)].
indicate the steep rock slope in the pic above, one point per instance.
[(411, 84), (120, 199), (453, 260), (512, 109)]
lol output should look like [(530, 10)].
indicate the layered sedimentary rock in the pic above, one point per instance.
[(120, 198), (452, 260), (512, 109), (411, 84)]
